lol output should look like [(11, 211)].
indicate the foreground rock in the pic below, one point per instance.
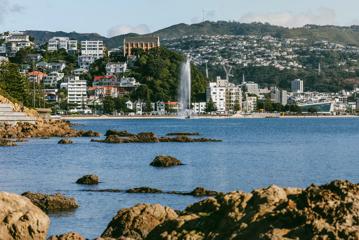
[(165, 161), (88, 180), (20, 219), (137, 222), (319, 212), (67, 236), (7, 143), (65, 141), (113, 136), (52, 203)]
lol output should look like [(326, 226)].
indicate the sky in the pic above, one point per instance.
[(115, 17)]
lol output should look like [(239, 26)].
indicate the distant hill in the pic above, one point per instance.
[(344, 35)]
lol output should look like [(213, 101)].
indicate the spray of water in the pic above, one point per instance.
[(184, 96)]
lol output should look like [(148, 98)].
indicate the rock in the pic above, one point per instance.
[(144, 190), (20, 219), (89, 133), (186, 139), (202, 192), (183, 134), (65, 141), (52, 203), (118, 133), (67, 236), (165, 161), (329, 211), (7, 143), (88, 180), (137, 222)]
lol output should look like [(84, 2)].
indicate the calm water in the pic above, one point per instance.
[(255, 153)]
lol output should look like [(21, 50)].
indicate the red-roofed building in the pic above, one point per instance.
[(36, 76), (109, 80)]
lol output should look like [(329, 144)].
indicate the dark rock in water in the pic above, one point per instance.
[(89, 133), (146, 137), (52, 203), (7, 143), (118, 133), (65, 141), (144, 190), (202, 192), (67, 236), (21, 219), (104, 190), (185, 139), (88, 180), (137, 222), (165, 161), (183, 134)]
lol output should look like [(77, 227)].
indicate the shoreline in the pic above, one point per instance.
[(106, 117)]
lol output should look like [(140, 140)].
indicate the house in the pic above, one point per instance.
[(115, 68), (52, 79), (34, 57), (57, 43), (57, 66), (129, 82), (80, 71), (85, 61), (51, 95), (108, 80), (100, 92), (36, 76)]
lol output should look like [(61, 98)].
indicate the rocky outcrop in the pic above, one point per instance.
[(7, 143), (20, 219), (137, 222), (52, 203), (143, 190), (202, 192), (165, 161), (65, 141), (42, 129), (89, 133), (67, 236), (88, 180), (113, 136)]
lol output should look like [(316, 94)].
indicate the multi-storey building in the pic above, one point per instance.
[(225, 95), (85, 61), (145, 43), (94, 49), (14, 41), (297, 86), (57, 43), (279, 96), (252, 88), (52, 79), (76, 93), (115, 68)]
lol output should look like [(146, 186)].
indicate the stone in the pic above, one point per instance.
[(67, 236), (165, 161), (21, 219), (202, 192), (65, 141), (88, 180), (183, 134), (7, 143), (118, 133), (144, 190), (52, 203), (89, 133), (137, 222)]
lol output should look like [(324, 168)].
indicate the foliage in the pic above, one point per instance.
[(210, 106), (108, 105)]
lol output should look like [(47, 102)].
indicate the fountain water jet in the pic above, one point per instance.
[(184, 95)]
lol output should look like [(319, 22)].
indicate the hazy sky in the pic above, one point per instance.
[(113, 17)]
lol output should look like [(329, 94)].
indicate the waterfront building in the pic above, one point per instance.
[(279, 96), (146, 43), (95, 49), (225, 95), (322, 107), (357, 105), (57, 43), (76, 93), (250, 104), (297, 86), (199, 107), (252, 88)]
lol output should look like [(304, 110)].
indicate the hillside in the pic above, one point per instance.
[(344, 35)]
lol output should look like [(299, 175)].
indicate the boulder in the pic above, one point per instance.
[(202, 192), (118, 133), (88, 180), (52, 203), (144, 190), (7, 143), (20, 219), (67, 236), (89, 133), (183, 134), (165, 161), (137, 222), (65, 141)]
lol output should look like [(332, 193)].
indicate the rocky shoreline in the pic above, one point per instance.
[(329, 211)]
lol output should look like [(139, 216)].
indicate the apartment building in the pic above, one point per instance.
[(57, 43), (145, 43), (76, 93), (94, 49), (297, 86)]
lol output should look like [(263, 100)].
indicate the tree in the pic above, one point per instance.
[(108, 105), (210, 106), (237, 107), (120, 104)]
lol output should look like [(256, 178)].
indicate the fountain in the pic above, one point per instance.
[(184, 95)]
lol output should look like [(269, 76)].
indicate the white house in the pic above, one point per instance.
[(116, 68), (57, 43), (53, 78), (85, 61)]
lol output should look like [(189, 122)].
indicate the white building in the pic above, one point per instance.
[(250, 104), (129, 82), (297, 86), (57, 43), (14, 41), (85, 61), (199, 107), (116, 68), (77, 93), (252, 88), (279, 96), (225, 95), (95, 49), (53, 78)]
